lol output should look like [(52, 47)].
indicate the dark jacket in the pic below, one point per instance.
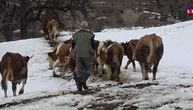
[(83, 43)]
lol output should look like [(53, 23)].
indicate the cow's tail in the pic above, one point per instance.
[(116, 61), (151, 51)]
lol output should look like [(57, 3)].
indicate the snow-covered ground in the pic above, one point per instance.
[(172, 90)]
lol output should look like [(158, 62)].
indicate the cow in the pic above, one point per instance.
[(113, 60), (60, 56), (148, 52), (128, 51), (14, 68), (110, 55), (50, 28), (101, 48)]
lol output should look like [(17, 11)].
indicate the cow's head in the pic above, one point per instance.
[(133, 43), (125, 46), (51, 58)]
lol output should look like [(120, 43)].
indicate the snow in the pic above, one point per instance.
[(172, 90)]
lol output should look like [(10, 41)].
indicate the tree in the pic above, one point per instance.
[(18, 13)]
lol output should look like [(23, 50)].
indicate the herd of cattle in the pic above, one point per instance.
[(147, 50)]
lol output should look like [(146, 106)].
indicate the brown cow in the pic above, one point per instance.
[(128, 51), (102, 47), (110, 55), (149, 51), (113, 60), (60, 56), (50, 28), (14, 68)]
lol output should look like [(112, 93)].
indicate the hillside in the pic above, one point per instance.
[(172, 89)]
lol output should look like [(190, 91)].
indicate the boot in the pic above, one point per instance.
[(79, 84), (84, 86)]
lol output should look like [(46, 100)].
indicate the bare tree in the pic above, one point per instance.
[(21, 12)]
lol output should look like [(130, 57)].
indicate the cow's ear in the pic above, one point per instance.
[(49, 54)]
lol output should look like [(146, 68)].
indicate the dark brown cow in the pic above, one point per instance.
[(128, 51), (50, 28), (149, 51), (14, 68)]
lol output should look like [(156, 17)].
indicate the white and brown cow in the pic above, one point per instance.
[(149, 51), (102, 47), (14, 68), (128, 51), (110, 59), (60, 56), (50, 28)]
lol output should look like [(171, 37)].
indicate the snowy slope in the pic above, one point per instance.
[(172, 90)]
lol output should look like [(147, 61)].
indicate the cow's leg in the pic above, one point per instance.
[(99, 67), (50, 37), (118, 72), (21, 91), (113, 72), (107, 71), (155, 70), (133, 62), (149, 68), (55, 38), (146, 71), (63, 70), (4, 86), (4, 82), (128, 62), (56, 63), (14, 88), (142, 70), (54, 34), (51, 62)]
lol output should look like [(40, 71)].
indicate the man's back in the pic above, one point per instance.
[(83, 43)]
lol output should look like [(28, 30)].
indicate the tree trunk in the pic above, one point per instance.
[(23, 29), (8, 32)]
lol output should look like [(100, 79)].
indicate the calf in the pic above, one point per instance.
[(110, 55), (149, 51), (60, 56), (50, 28), (14, 68), (128, 51), (113, 61), (102, 46)]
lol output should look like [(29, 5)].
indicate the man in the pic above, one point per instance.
[(84, 47)]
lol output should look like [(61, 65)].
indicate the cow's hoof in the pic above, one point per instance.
[(21, 91)]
